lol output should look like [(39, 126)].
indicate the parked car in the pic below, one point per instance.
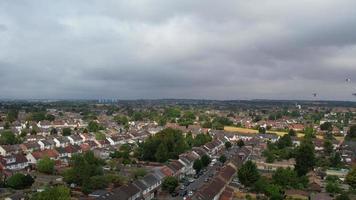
[(183, 193), (174, 194)]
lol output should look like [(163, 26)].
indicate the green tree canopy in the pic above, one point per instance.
[(326, 126), (83, 166), (222, 158), (54, 193), (169, 184), (328, 147), (248, 173), (292, 132), (352, 132), (205, 160), (7, 137), (197, 165), (166, 144), (121, 119), (240, 143), (66, 131), (93, 126), (351, 178), (45, 165), (305, 158), (20, 181), (284, 141), (228, 145)]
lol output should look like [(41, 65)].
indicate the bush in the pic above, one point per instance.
[(45, 165), (20, 181), (55, 193)]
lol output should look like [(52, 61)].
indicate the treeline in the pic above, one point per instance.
[(168, 144)]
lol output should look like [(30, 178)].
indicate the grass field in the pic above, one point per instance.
[(252, 131)]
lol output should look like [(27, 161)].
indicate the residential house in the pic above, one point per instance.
[(46, 144), (177, 168), (125, 192), (30, 147), (187, 159), (13, 162), (214, 189), (148, 185), (6, 150), (61, 141), (75, 139), (37, 155), (213, 147)]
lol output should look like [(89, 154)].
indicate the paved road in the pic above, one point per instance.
[(201, 180)]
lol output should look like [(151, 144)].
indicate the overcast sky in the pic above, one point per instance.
[(228, 49)]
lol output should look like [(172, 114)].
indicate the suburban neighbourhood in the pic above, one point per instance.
[(177, 150)]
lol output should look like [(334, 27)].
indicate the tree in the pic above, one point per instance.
[(284, 141), (274, 192), (326, 126), (197, 165), (201, 139), (95, 183), (222, 158), (240, 143), (66, 131), (333, 187), (55, 193), (50, 117), (248, 173), (161, 154), (228, 145), (54, 131), (100, 136), (169, 184), (352, 132), (45, 165), (286, 178), (261, 130), (309, 132), (292, 132), (305, 158), (83, 166), (12, 115), (351, 178), (343, 196), (138, 172), (121, 119), (335, 160), (205, 160), (328, 147), (169, 143), (93, 126), (8, 138), (20, 181), (260, 185)]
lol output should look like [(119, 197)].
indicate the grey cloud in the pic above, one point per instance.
[(177, 49)]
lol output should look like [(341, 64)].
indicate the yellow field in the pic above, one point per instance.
[(241, 130), (252, 131)]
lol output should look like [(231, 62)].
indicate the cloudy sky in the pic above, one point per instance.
[(129, 49)]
